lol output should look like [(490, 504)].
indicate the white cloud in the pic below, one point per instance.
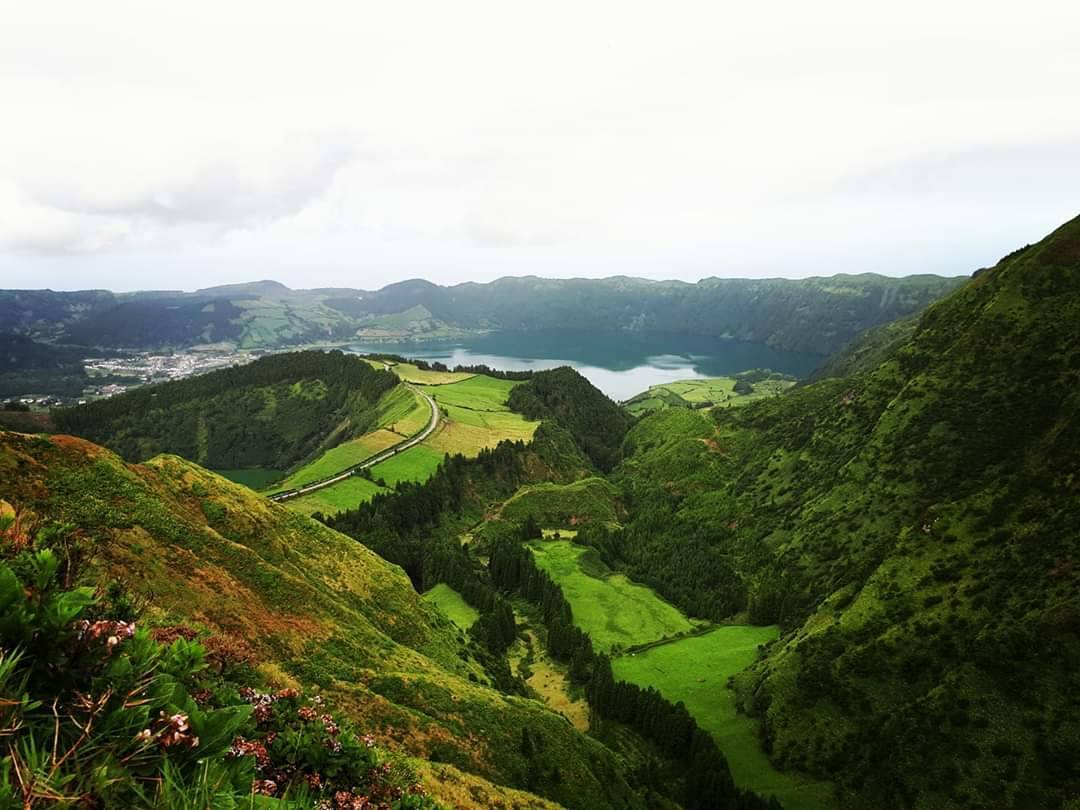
[(336, 143)]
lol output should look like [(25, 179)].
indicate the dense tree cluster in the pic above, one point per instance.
[(31, 367), (597, 424)]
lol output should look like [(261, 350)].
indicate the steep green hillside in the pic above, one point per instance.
[(565, 397), (913, 529), (271, 413), (315, 609)]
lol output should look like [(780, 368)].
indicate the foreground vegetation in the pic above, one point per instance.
[(313, 610), (98, 710)]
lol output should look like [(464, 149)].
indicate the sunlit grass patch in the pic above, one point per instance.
[(612, 609), (415, 464), (453, 605), (695, 671), (410, 373), (480, 392), (347, 494)]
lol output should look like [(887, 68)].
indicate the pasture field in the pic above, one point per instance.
[(612, 609), (468, 439), (345, 455), (343, 495), (256, 478), (478, 393), (695, 671), (410, 373), (453, 605), (477, 416), (415, 464), (403, 411), (702, 393)]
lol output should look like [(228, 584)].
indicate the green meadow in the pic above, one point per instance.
[(477, 416), (695, 671), (418, 463), (453, 605), (478, 393), (347, 494), (340, 458), (703, 394), (612, 609)]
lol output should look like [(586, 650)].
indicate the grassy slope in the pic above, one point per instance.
[(331, 500), (400, 413), (415, 464), (609, 607), (590, 500), (695, 671), (451, 603), (476, 417), (410, 373), (318, 608)]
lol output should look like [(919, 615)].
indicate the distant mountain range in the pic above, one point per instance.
[(818, 315)]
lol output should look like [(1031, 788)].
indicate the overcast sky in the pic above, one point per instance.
[(153, 145)]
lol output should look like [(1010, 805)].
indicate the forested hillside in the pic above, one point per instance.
[(271, 413), (28, 365), (562, 395), (811, 315), (912, 525)]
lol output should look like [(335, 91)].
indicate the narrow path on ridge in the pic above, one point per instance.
[(433, 423)]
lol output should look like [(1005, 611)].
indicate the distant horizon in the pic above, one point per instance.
[(257, 281)]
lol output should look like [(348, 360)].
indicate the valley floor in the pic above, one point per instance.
[(686, 665)]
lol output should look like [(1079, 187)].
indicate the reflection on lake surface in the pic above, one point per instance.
[(620, 365)]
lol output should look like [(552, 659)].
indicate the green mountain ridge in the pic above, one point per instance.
[(912, 526), (817, 315)]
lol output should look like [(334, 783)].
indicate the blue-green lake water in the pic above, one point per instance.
[(620, 365)]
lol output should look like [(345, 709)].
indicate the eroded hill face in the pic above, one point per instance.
[(318, 609), (916, 526)]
